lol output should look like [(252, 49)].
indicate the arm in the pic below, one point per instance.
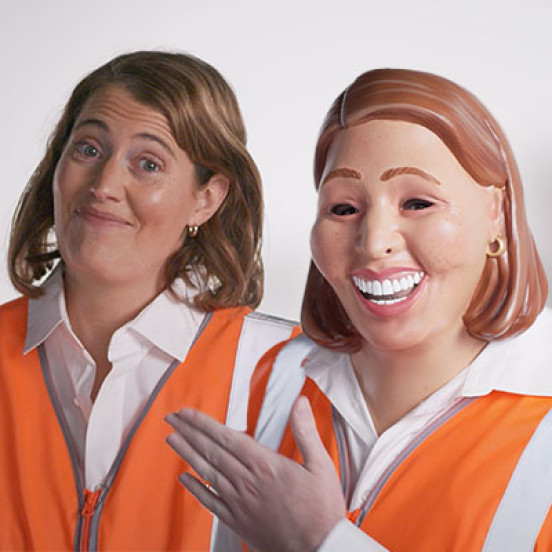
[(274, 503)]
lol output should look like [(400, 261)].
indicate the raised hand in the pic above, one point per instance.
[(274, 503)]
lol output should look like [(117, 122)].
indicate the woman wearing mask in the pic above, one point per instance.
[(430, 379), (136, 248)]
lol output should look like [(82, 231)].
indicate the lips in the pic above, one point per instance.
[(388, 291), (91, 214)]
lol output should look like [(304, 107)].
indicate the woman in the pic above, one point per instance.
[(136, 248), (430, 379)]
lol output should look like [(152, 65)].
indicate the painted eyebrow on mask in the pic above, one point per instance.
[(145, 135), (342, 173), (391, 173)]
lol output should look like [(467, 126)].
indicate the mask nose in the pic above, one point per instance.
[(380, 234)]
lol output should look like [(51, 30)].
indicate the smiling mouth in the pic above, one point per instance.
[(389, 291), (90, 213)]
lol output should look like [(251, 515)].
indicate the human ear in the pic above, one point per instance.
[(209, 198)]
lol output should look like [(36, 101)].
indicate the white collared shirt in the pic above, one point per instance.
[(140, 352), (520, 365)]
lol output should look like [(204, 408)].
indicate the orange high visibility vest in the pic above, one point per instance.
[(443, 492), (42, 502)]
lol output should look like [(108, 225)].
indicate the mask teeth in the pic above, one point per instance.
[(395, 289)]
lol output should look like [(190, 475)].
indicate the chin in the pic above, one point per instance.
[(394, 344), (392, 335)]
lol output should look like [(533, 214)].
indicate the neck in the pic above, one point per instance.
[(395, 382), (96, 311)]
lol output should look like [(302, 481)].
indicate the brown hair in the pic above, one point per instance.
[(205, 119), (512, 289)]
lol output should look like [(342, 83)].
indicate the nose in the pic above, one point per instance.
[(380, 233), (108, 183)]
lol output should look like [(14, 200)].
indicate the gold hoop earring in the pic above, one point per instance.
[(193, 230), (496, 248)]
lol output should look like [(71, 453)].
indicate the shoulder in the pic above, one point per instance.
[(13, 325), (264, 332), (266, 324), (521, 364), (536, 341), (261, 319), (14, 310), (261, 329)]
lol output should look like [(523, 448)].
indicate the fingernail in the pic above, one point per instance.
[(169, 418), (183, 478)]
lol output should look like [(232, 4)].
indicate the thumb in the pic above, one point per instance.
[(303, 427)]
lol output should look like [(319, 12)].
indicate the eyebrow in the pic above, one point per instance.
[(145, 135), (391, 173), (342, 173), (93, 122), (160, 141)]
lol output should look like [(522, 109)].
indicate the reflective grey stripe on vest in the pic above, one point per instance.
[(284, 385), (527, 498), (259, 333)]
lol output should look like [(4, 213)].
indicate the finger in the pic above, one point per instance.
[(202, 441), (207, 498), (303, 427), (237, 443), (202, 466), (208, 447)]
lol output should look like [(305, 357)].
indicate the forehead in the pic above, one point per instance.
[(117, 108), (380, 145)]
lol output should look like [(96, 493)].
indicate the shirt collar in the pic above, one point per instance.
[(44, 313), (333, 373), (167, 322), (520, 365)]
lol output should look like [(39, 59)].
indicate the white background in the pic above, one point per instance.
[(287, 61)]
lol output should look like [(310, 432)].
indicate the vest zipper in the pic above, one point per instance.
[(92, 505), (358, 515), (94, 500), (90, 502)]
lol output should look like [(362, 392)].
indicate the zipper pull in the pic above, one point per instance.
[(90, 502), (353, 516)]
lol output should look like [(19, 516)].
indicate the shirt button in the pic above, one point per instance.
[(76, 402)]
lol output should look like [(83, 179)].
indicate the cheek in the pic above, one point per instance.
[(164, 209), (59, 191), (330, 247), (318, 251), (449, 243)]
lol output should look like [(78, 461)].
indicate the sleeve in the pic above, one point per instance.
[(347, 536)]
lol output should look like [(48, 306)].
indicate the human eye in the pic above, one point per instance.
[(87, 150), (417, 204), (150, 165), (343, 210)]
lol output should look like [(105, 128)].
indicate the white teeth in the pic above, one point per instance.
[(387, 301), (388, 287)]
